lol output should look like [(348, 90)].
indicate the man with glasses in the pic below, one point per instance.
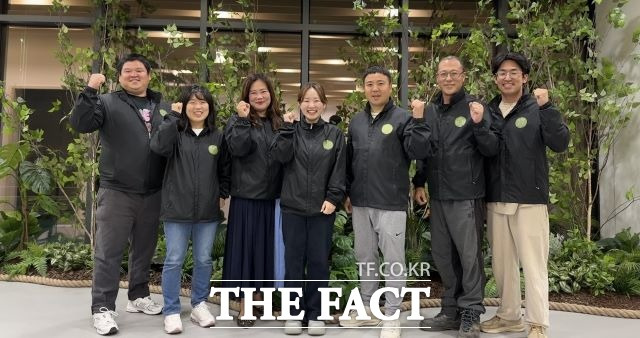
[(454, 172), (130, 181), (518, 193)]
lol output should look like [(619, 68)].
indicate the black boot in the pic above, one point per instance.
[(469, 324), (441, 322)]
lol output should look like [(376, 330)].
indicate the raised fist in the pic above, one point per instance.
[(417, 108), (96, 80), (176, 107), (243, 108), (542, 96), (289, 117), (476, 110)]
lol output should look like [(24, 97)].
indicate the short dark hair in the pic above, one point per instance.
[(450, 58), (377, 70), (133, 57), (201, 93), (518, 58)]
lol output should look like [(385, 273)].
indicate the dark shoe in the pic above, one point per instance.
[(469, 324), (244, 323), (441, 322)]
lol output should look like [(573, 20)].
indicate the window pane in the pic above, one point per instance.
[(42, 7), (341, 11), (265, 10), (162, 9), (429, 13)]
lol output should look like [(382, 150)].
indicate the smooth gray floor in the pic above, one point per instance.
[(30, 310)]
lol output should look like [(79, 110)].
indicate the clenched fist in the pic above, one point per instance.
[(327, 208), (243, 108), (417, 108), (476, 110), (177, 107), (289, 117), (542, 96), (96, 80)]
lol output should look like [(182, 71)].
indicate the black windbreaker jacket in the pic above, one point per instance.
[(379, 152), (198, 172), (254, 174), (314, 159), (454, 169), (520, 172), (126, 161)]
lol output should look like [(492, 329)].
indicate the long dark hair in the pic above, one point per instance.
[(200, 93), (273, 111)]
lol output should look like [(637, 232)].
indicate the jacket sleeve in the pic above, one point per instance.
[(416, 138), (555, 133), (420, 178), (486, 135), (88, 112), (164, 139), (336, 187), (349, 161), (282, 148), (238, 136), (224, 170)]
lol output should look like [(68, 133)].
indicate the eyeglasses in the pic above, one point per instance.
[(512, 73), (453, 75)]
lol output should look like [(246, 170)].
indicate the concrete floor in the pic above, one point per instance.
[(29, 310)]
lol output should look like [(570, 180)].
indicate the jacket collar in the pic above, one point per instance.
[(306, 125), (457, 97), (387, 107), (154, 96), (495, 103)]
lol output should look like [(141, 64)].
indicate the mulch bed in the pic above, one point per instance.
[(608, 300)]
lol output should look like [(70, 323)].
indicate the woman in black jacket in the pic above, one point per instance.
[(196, 181), (255, 186), (314, 159)]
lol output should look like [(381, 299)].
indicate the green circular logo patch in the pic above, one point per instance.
[(460, 121), (521, 122), (163, 112), (213, 149), (387, 129), (327, 144)]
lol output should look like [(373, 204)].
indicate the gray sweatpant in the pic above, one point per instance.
[(384, 229), (456, 245), (123, 218)]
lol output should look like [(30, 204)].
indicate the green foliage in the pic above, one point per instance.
[(33, 256), (580, 264), (344, 272), (69, 256)]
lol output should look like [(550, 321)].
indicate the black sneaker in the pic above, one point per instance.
[(441, 322), (469, 324)]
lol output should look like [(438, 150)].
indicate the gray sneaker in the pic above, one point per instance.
[(293, 327), (469, 324), (316, 328), (441, 322)]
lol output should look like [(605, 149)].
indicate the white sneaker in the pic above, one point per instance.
[(202, 316), (353, 322), (316, 328), (145, 305), (104, 321), (293, 327), (390, 329), (172, 324)]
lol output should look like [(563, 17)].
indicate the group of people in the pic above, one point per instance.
[(287, 174)]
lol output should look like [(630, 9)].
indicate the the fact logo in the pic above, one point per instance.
[(329, 297)]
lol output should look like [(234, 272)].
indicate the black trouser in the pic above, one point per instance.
[(307, 244), (456, 244), (123, 218)]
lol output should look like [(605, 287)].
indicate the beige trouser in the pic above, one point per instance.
[(520, 231)]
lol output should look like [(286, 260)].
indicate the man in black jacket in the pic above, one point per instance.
[(454, 172), (130, 181), (518, 193), (382, 140)]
